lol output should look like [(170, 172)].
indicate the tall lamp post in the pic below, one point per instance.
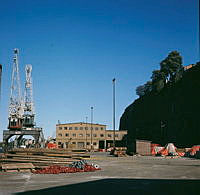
[(113, 81), (199, 30), (91, 127), (86, 133)]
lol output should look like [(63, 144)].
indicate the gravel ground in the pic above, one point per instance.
[(128, 175)]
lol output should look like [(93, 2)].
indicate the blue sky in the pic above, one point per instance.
[(76, 48)]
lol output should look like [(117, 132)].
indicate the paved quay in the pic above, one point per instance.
[(127, 175)]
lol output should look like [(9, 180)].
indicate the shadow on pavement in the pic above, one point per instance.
[(125, 187)]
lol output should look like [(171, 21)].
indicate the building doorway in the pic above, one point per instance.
[(101, 144), (81, 144)]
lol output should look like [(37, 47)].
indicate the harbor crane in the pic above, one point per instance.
[(28, 116), (16, 104), (21, 110)]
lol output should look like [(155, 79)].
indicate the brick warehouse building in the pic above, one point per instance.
[(78, 135)]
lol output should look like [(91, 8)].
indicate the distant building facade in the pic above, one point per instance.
[(188, 66), (86, 135)]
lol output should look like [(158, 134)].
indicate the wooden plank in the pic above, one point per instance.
[(35, 161), (44, 159), (82, 156), (66, 156), (57, 155), (69, 155), (25, 170), (18, 166), (47, 155), (36, 157), (44, 150), (11, 171)]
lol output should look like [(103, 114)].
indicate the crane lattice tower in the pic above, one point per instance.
[(29, 112), (16, 103)]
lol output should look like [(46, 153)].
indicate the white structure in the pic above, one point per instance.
[(28, 99), (21, 112), (16, 103)]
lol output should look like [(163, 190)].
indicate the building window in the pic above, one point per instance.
[(94, 135), (116, 135), (88, 143), (81, 128), (101, 135), (101, 128), (80, 135), (96, 128), (109, 135), (60, 128), (65, 128), (66, 134), (91, 128), (59, 143), (70, 128), (76, 128), (94, 143), (88, 135), (74, 134), (74, 143), (86, 128), (60, 134)]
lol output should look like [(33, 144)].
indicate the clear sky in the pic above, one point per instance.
[(76, 48)]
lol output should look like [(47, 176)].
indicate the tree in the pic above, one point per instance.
[(179, 74), (157, 75), (158, 80), (144, 89), (140, 90), (148, 87), (171, 69), (171, 65)]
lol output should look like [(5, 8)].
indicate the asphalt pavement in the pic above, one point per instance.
[(118, 175)]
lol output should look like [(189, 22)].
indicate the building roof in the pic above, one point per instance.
[(116, 130), (188, 66), (81, 123)]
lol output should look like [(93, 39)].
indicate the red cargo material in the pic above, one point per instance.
[(193, 150), (55, 169)]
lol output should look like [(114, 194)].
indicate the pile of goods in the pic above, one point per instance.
[(171, 150), (118, 151), (168, 150), (28, 159), (77, 166), (193, 152)]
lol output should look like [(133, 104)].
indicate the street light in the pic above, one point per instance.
[(199, 31), (86, 133), (113, 81), (91, 126)]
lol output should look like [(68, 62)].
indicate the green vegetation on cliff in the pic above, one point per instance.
[(170, 114)]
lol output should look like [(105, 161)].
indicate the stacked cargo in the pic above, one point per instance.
[(39, 158)]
